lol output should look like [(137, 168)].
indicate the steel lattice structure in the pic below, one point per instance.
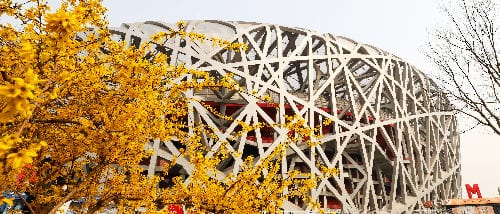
[(393, 138)]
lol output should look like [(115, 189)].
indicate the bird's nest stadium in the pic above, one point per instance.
[(393, 137)]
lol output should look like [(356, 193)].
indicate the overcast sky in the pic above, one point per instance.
[(398, 26)]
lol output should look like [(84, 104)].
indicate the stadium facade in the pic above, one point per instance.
[(393, 137)]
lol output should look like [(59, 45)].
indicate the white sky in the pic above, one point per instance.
[(398, 26)]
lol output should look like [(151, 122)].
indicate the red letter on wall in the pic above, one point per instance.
[(473, 190)]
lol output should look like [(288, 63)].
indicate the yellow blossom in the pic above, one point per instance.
[(327, 121), (62, 22), (18, 96), (26, 50), (24, 89), (86, 123), (8, 142), (24, 156), (9, 90), (8, 201)]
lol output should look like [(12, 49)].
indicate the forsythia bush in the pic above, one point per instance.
[(77, 108)]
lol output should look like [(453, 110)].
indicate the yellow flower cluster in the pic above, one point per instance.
[(9, 201), (8, 142), (17, 159), (245, 127), (327, 121), (62, 22), (329, 171), (194, 36), (267, 98), (216, 113), (234, 46), (18, 96)]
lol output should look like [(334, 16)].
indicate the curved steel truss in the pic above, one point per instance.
[(392, 137)]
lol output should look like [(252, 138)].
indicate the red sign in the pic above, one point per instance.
[(473, 190), (175, 209)]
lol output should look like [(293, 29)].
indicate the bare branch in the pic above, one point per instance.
[(466, 54)]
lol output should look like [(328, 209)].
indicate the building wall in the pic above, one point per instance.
[(393, 137)]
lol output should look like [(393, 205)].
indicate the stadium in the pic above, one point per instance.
[(393, 136)]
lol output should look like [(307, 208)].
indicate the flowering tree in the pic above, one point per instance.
[(76, 109)]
